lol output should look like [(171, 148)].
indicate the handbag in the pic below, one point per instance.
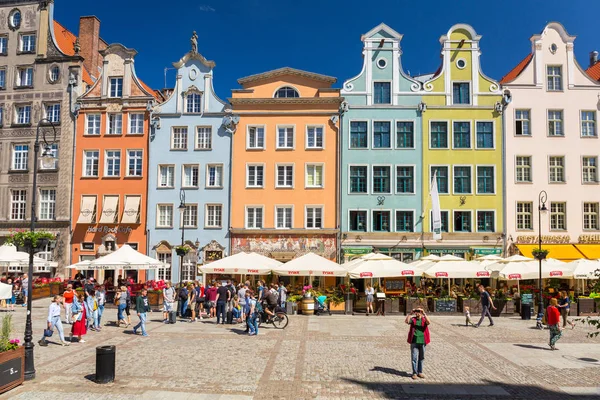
[(48, 332)]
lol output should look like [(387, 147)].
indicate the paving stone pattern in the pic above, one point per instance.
[(325, 357)]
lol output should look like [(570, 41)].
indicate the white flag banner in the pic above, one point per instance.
[(436, 214)]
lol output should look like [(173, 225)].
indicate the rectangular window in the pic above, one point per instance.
[(558, 216), (590, 216), (2, 78), (256, 137), (92, 124), (285, 137), (441, 174), (381, 221), (554, 75), (314, 175), (381, 179), (164, 273), (522, 123), (588, 124), (24, 76), (20, 157), (589, 169), (3, 45), (523, 169), (555, 123), (283, 217), (112, 165), (115, 124), (135, 162), (382, 93), (461, 134), (439, 135), (444, 216), (254, 217), (214, 216), (52, 112), (53, 149), (405, 179), (462, 180), (462, 221), (486, 221), (405, 221), (382, 135), (461, 93), (214, 176), (27, 43), (358, 135), (193, 103), (189, 217), (136, 124), (255, 176), (358, 179), (485, 135), (47, 211), (166, 176), (190, 176), (23, 115), (285, 176), (18, 204), (203, 138), (405, 135), (314, 217), (116, 87), (164, 217), (557, 169), (524, 216), (358, 221), (485, 180), (179, 138), (91, 158), (314, 137)]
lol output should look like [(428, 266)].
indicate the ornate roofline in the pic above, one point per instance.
[(474, 36), (558, 27), (381, 26), (114, 46), (286, 71), (191, 55), (296, 100)]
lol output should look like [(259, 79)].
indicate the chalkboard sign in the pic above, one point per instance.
[(527, 298), (10, 372), (445, 306), (395, 285)]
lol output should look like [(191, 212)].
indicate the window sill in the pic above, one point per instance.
[(165, 187), (556, 136), (524, 183), (284, 149), (590, 183), (314, 148), (524, 136), (255, 149), (21, 52), (358, 148), (91, 135), (381, 148), (405, 148), (485, 194), (405, 193), (197, 149), (314, 187), (589, 137), (439, 148), (23, 87), (133, 177), (89, 177), (163, 227), (213, 187), (255, 187), (213, 227), (135, 134), (18, 171), (111, 177), (47, 170), (178, 149), (557, 183), (113, 134), (190, 187), (21, 125), (284, 187)]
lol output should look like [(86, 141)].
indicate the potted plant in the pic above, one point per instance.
[(40, 290), (181, 250), (154, 297), (294, 301), (336, 302), (539, 254), (12, 357), (420, 301), (25, 240)]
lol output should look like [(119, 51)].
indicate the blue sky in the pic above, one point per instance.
[(245, 37)]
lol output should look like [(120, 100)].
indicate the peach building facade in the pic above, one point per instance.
[(284, 165)]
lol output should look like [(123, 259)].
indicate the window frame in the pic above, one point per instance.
[(469, 85), (118, 92), (523, 213), (584, 167), (307, 136), (454, 212), (564, 169), (462, 121), (284, 206), (4, 38), (27, 113), (565, 217), (25, 154), (194, 222), (18, 80), (97, 163), (286, 87), (366, 223), (314, 218), (183, 175), (414, 180), (118, 123), (264, 135), (554, 121), (313, 164), (21, 46), (494, 178), (517, 167), (374, 96), (454, 192), (560, 76), (495, 225), (207, 216), (589, 214), (390, 134), (87, 125), (51, 105), (396, 131), (449, 180), (262, 216), (403, 210), (368, 183), (130, 124), (277, 185), (248, 185), (286, 127), (21, 204), (106, 159), (366, 134), (197, 137), (159, 176), (4, 72), (195, 105), (141, 161), (390, 219), (593, 123), (517, 119), (476, 134), (390, 178), (442, 212), (430, 138), (217, 166), (184, 140), (158, 215)]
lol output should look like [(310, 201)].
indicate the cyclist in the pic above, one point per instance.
[(271, 300)]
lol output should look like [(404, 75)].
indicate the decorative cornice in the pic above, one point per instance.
[(194, 56), (118, 48), (296, 100), (283, 232), (287, 71)]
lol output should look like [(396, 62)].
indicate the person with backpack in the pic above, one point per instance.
[(142, 308), (271, 300), (253, 313), (183, 300)]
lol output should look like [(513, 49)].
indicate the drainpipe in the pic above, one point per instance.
[(341, 111), (230, 250), (504, 208)]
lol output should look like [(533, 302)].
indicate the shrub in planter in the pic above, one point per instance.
[(24, 240), (181, 250), (154, 297), (12, 357), (416, 302), (539, 254)]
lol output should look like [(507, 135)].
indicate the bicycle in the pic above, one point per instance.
[(279, 320)]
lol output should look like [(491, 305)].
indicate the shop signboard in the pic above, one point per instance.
[(486, 251), (357, 250)]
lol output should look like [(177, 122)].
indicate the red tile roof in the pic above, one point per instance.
[(516, 71), (594, 71), (65, 40)]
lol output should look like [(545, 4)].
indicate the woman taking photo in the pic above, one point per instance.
[(418, 337), (370, 292)]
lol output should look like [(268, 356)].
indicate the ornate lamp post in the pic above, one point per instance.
[(181, 209), (543, 196), (47, 159)]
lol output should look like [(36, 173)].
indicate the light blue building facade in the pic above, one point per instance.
[(381, 154), (189, 151)]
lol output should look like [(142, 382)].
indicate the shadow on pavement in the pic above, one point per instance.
[(391, 371), (530, 346)]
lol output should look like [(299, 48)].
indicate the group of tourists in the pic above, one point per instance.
[(19, 292)]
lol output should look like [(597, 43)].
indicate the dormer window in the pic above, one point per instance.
[(286, 92), (193, 102), (554, 75), (116, 87)]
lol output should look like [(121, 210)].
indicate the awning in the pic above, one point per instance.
[(131, 212), (563, 252), (109, 209), (87, 214), (590, 251)]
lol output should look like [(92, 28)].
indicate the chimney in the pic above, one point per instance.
[(89, 39), (593, 58)]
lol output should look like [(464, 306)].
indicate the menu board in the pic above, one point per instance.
[(445, 306), (395, 285), (527, 298)]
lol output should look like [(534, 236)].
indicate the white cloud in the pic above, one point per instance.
[(206, 8)]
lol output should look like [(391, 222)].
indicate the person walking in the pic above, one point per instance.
[(121, 301), (91, 307), (25, 289), (54, 321), (223, 296), (79, 318), (246, 308), (370, 292), (168, 300), (100, 302), (142, 308), (486, 303), (242, 300), (192, 301), (127, 290), (564, 305), (282, 291), (211, 297), (553, 320), (418, 338), (68, 295), (183, 300), (10, 302), (252, 315)]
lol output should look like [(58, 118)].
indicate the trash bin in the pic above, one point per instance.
[(105, 364), (525, 311)]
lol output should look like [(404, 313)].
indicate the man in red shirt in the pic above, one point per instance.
[(211, 298)]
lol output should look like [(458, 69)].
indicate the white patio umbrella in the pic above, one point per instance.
[(375, 265), (585, 269), (444, 267), (529, 268), (425, 260), (310, 264), (123, 258), (242, 263), (9, 256)]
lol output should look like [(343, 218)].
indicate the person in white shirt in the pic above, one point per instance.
[(168, 300), (54, 321)]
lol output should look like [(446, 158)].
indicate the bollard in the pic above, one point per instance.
[(105, 364)]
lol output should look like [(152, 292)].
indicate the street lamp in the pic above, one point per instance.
[(181, 209), (543, 196), (47, 159)]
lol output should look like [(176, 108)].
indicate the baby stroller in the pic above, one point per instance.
[(321, 305)]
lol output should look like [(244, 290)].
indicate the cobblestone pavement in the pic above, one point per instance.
[(325, 357)]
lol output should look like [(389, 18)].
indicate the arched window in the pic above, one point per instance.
[(193, 103), (54, 74), (286, 92)]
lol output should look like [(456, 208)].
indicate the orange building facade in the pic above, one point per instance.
[(284, 165), (111, 163)]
